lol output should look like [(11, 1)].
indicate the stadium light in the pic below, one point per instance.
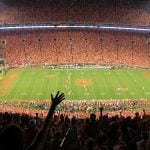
[(75, 27)]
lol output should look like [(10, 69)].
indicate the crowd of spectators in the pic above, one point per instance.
[(110, 12), (102, 132), (24, 132), (115, 133), (76, 47), (79, 107)]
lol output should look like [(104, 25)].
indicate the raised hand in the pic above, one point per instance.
[(58, 98), (101, 109), (144, 112), (40, 139)]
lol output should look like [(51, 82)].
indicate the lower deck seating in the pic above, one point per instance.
[(73, 47)]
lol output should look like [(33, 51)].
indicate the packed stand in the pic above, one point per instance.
[(78, 11), (76, 47), (94, 133)]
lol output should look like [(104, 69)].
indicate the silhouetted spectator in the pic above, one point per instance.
[(30, 132), (11, 138), (143, 144)]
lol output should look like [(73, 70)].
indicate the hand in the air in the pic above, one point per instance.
[(58, 98)]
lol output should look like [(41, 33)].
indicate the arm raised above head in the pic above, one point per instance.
[(57, 99), (101, 112), (39, 142)]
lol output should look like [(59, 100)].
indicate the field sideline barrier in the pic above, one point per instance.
[(80, 105), (79, 66)]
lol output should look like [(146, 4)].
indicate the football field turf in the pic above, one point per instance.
[(77, 84)]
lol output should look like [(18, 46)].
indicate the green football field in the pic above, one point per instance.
[(77, 84)]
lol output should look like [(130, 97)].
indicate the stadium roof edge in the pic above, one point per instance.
[(75, 26)]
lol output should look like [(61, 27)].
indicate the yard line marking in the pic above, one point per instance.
[(33, 88), (42, 83)]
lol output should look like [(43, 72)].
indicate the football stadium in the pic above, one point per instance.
[(74, 74)]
